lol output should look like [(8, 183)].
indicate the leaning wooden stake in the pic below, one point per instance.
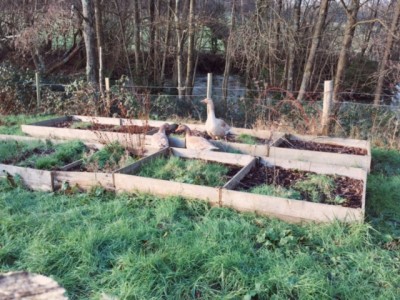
[(328, 92), (37, 80), (209, 85)]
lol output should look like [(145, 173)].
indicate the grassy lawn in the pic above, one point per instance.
[(144, 247), (10, 124)]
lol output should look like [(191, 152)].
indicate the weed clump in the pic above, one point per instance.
[(186, 171), (111, 157)]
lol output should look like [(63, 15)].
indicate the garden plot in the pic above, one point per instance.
[(133, 132), (92, 129), (97, 169), (335, 151), (185, 173), (35, 160), (300, 191)]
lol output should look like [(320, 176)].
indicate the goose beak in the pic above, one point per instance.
[(204, 101)]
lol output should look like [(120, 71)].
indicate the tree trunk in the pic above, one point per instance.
[(89, 37), (292, 46), (136, 37), (152, 41), (228, 56), (179, 41), (323, 10), (346, 44), (190, 54), (386, 54), (166, 43), (99, 38)]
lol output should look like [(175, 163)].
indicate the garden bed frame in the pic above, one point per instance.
[(44, 130), (339, 159), (121, 181)]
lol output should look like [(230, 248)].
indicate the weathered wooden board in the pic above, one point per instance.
[(83, 180), (97, 120), (130, 183), (41, 180), (52, 122), (231, 184), (289, 210), (224, 158)]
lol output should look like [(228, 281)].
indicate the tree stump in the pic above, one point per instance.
[(26, 286)]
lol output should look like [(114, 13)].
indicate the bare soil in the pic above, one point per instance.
[(346, 187), (313, 146), (132, 129)]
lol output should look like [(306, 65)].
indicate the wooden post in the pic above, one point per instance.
[(37, 80), (328, 93), (209, 85), (107, 80), (101, 71)]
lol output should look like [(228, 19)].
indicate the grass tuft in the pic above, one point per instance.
[(186, 171), (246, 139)]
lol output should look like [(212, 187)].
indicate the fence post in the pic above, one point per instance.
[(107, 81), (326, 109), (38, 100), (209, 85), (101, 70)]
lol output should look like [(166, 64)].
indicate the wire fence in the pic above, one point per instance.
[(267, 109)]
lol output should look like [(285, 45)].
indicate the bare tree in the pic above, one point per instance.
[(314, 45), (351, 12), (386, 54), (89, 36)]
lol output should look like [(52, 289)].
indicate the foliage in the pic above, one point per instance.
[(276, 191), (246, 139), (318, 188), (186, 171)]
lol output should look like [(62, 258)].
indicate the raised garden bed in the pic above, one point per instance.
[(98, 168), (35, 160), (183, 172), (300, 191), (92, 129), (335, 151)]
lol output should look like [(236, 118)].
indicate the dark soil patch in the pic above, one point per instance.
[(132, 129), (346, 187), (313, 146)]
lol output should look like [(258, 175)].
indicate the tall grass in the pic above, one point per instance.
[(144, 247), (11, 124)]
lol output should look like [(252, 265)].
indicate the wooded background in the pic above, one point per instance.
[(292, 45)]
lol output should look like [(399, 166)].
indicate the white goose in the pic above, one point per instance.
[(195, 142), (160, 140), (216, 128)]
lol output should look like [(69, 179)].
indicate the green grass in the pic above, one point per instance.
[(14, 151), (276, 191), (11, 124), (246, 139), (186, 171), (81, 125), (144, 247)]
